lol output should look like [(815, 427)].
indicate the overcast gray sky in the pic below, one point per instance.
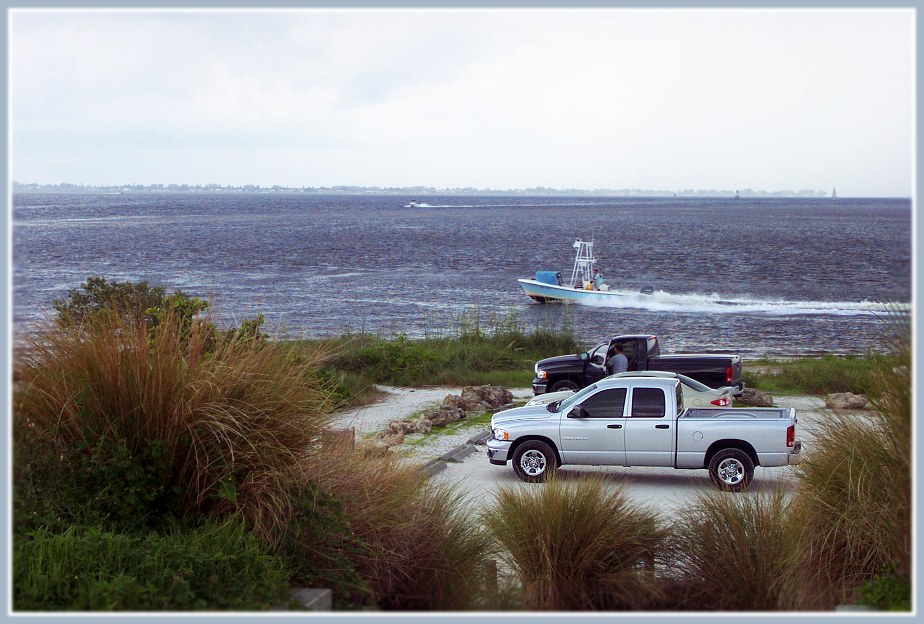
[(665, 99)]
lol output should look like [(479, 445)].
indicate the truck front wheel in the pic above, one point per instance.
[(534, 461), (731, 469), (564, 384)]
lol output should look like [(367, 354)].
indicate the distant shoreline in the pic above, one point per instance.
[(412, 191)]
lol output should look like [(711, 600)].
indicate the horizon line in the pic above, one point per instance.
[(418, 188)]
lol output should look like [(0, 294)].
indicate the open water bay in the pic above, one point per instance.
[(774, 277)]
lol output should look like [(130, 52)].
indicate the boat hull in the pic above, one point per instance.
[(550, 293)]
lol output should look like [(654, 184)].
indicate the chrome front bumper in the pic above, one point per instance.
[(498, 451)]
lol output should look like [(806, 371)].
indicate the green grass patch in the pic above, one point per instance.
[(818, 375), (479, 351)]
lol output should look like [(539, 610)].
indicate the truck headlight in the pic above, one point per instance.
[(541, 374), (500, 434)]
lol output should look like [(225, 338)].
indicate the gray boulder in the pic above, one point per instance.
[(755, 398), (479, 398), (385, 439), (488, 397), (444, 415), (846, 400)]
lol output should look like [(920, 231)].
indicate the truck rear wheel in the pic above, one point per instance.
[(564, 384), (534, 461), (731, 469)]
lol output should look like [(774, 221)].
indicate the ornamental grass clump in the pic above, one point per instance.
[(733, 551), (578, 545), (127, 424), (853, 503), (420, 550)]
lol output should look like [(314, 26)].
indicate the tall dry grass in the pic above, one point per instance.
[(231, 417), (578, 545), (733, 551), (853, 503), (422, 549)]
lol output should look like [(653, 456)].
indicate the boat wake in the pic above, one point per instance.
[(661, 301)]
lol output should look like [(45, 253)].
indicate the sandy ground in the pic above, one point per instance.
[(664, 489)]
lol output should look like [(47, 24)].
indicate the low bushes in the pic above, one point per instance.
[(86, 568)]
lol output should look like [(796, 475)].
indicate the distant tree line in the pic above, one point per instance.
[(538, 191)]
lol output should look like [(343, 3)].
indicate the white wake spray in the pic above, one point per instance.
[(661, 301)]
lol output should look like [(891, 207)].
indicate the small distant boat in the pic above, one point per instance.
[(834, 193), (737, 196), (548, 286), (416, 204)]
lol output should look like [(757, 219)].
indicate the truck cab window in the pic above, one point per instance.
[(628, 350), (606, 404), (648, 403)]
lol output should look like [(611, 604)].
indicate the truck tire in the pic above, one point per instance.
[(534, 461), (564, 384), (731, 469)]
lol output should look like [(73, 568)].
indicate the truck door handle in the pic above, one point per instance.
[(662, 426), (614, 426)]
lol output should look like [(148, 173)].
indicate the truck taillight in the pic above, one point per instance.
[(721, 402), (729, 375), (791, 435)]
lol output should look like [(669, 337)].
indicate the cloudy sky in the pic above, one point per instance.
[(606, 98)]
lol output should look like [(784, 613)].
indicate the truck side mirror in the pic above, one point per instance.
[(585, 356), (577, 412)]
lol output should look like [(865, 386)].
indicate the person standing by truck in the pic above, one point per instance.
[(618, 362)]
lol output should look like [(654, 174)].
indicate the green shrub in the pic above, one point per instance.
[(578, 546), (138, 302), (886, 592), (216, 566), (320, 549), (733, 551)]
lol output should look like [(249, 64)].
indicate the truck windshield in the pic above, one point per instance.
[(574, 398)]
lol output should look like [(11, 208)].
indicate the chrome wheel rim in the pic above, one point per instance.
[(731, 471), (533, 463)]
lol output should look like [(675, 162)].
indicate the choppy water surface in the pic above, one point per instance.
[(757, 277)]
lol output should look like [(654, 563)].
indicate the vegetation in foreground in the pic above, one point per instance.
[(161, 464), (854, 498)]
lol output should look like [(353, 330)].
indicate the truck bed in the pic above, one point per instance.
[(737, 413)]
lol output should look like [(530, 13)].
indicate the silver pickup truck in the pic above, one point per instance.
[(641, 421)]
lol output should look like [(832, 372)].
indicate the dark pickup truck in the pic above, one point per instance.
[(643, 352)]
